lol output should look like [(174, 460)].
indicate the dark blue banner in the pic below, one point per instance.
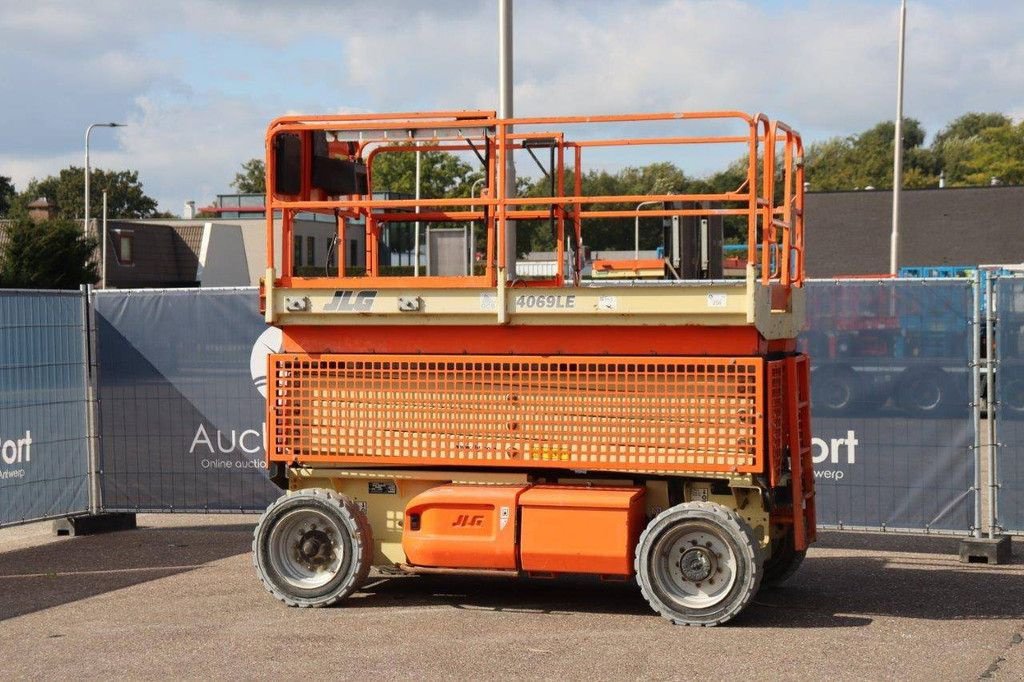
[(181, 413), (44, 444), (891, 402), (1009, 380)]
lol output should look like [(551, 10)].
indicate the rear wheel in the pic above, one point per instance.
[(312, 548), (924, 392), (698, 563)]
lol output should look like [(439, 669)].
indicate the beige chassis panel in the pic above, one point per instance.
[(386, 511), (718, 303)]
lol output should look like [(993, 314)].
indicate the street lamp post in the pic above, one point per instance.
[(88, 132), (897, 155), (103, 247), (636, 228)]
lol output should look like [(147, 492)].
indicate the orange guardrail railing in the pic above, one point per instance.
[(326, 165)]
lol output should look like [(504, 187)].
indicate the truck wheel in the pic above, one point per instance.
[(924, 392), (698, 564), (784, 561), (312, 548), (835, 390)]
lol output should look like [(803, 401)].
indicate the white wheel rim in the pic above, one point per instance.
[(693, 565), (305, 548), (837, 394), (926, 394)]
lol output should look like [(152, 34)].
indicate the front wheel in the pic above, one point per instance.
[(312, 548), (698, 563)]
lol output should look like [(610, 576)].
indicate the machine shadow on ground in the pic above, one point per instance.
[(902, 576), (71, 569), (883, 575)]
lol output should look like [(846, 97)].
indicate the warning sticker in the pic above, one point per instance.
[(717, 300), (383, 488)]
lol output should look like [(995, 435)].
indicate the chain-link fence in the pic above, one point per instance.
[(44, 409), (181, 420), (891, 364), (1005, 476)]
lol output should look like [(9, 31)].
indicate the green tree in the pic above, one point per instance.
[(619, 233), (970, 125), (998, 153), (969, 151), (53, 254), (963, 146), (252, 179), (7, 195), (865, 160), (442, 175), (126, 197)]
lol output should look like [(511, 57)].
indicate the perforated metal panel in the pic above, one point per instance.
[(659, 414), (776, 435)]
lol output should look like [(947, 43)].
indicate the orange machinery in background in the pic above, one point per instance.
[(486, 422)]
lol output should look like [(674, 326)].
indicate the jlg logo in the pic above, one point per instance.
[(345, 301), (466, 520)]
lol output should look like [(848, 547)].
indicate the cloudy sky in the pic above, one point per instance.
[(197, 80)]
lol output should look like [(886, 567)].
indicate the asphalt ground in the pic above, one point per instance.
[(178, 599)]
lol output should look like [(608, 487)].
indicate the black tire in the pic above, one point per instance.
[(711, 542), (836, 390), (784, 560), (312, 548), (925, 393)]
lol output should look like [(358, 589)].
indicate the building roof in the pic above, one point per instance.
[(163, 255), (191, 237), (41, 202), (848, 233)]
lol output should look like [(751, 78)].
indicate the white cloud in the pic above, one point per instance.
[(827, 67), (183, 150), (190, 149)]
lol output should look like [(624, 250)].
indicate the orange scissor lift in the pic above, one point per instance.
[(510, 426)]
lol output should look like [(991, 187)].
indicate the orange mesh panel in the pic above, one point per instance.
[(659, 414)]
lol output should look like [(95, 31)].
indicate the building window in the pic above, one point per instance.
[(297, 253), (125, 248), (311, 251)]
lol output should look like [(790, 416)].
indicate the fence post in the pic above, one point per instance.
[(976, 400), (96, 521), (992, 549), (991, 320), (88, 348)]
